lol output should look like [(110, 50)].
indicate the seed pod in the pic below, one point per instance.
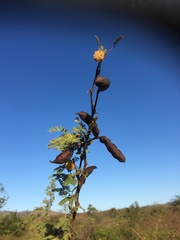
[(63, 157), (117, 40), (87, 171), (70, 165), (102, 83), (85, 174), (116, 153), (88, 120), (85, 117), (82, 180), (95, 130)]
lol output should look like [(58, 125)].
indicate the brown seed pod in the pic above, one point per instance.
[(87, 171), (102, 83), (88, 120), (95, 130), (85, 117), (117, 40), (85, 174), (82, 180), (116, 153), (63, 157)]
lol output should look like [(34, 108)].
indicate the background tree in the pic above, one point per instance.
[(175, 201), (91, 209), (4, 197)]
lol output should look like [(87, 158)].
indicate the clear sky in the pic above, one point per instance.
[(46, 69)]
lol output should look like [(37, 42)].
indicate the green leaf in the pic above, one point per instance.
[(73, 182), (66, 236), (64, 200), (59, 169), (64, 141), (95, 118), (69, 180), (71, 200), (76, 120), (57, 129), (52, 181), (79, 129), (79, 171)]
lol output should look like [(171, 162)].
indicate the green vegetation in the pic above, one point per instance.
[(3, 196), (175, 201), (12, 224), (157, 222)]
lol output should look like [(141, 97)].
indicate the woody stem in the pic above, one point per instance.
[(95, 104), (98, 70)]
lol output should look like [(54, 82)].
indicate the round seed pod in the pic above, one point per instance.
[(102, 83), (70, 165)]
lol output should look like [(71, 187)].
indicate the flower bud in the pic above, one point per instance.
[(102, 83)]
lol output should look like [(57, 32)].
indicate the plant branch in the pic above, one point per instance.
[(80, 141), (98, 70), (83, 156), (95, 104)]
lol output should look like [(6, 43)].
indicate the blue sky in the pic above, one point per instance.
[(46, 70)]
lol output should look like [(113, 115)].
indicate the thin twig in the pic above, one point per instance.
[(137, 233), (98, 70), (95, 104)]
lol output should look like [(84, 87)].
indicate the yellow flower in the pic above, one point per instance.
[(99, 55), (70, 165)]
